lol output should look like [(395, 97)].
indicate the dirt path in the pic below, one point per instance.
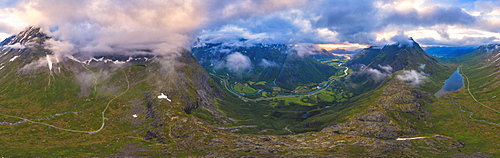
[(468, 89), (70, 130)]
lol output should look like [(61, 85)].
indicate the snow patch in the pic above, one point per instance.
[(74, 59), (163, 96), (134, 115), (411, 138), (49, 62), (15, 46), (2, 67), (13, 58)]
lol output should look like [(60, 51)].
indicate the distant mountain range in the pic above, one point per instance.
[(448, 52)]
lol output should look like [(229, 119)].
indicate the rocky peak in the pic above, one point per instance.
[(31, 34)]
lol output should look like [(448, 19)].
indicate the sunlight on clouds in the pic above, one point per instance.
[(327, 35), (347, 46), (10, 19), (401, 5), (4, 36), (95, 25)]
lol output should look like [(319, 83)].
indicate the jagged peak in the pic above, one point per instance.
[(29, 35)]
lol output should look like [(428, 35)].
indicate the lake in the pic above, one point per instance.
[(455, 82)]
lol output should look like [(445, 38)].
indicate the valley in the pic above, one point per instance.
[(246, 90), (379, 103)]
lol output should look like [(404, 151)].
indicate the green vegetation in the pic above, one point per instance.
[(204, 119), (244, 88)]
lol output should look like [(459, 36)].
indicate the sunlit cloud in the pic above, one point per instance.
[(167, 26), (348, 46)]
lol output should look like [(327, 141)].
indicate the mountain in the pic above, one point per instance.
[(104, 105), (164, 105), (374, 64), (276, 64), (448, 52), (398, 56)]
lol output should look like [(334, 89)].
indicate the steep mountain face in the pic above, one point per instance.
[(374, 64), (399, 56), (112, 96), (276, 64), (26, 54)]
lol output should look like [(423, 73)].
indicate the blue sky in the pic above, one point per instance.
[(94, 25)]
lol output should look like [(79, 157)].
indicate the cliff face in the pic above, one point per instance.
[(398, 56)]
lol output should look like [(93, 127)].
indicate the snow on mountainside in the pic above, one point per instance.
[(492, 55)]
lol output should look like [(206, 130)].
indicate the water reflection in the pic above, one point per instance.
[(455, 82)]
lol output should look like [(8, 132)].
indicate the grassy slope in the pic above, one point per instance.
[(478, 137)]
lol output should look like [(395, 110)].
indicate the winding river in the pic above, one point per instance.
[(321, 88)]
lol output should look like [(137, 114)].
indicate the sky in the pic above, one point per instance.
[(170, 25)]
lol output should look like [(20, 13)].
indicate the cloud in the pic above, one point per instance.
[(236, 63), (267, 63), (402, 39), (429, 16), (303, 49), (421, 67), (94, 27), (386, 68), (413, 77), (376, 74), (165, 27)]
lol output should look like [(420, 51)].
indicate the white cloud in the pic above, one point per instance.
[(167, 26), (386, 68), (376, 74), (236, 63), (421, 67), (303, 49), (413, 77), (267, 63)]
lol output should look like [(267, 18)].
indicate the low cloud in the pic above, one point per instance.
[(376, 74), (413, 77), (165, 27), (95, 27), (421, 67), (267, 63), (303, 49), (236, 63), (386, 68)]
